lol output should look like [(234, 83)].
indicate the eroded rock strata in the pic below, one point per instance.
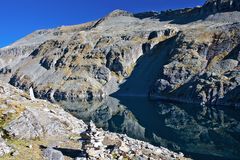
[(188, 55)]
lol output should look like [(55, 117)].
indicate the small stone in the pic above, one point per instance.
[(3, 106), (15, 153), (112, 140), (173, 155), (181, 154), (10, 111), (97, 144), (32, 94), (29, 146), (124, 148), (93, 127), (46, 109), (80, 158), (52, 111), (102, 155), (94, 152), (4, 148), (158, 151), (2, 91)]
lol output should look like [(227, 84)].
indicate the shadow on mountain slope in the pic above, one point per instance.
[(148, 68)]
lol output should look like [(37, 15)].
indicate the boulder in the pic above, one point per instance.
[(111, 140), (52, 154), (4, 148), (34, 123)]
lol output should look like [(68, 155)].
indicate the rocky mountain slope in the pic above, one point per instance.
[(88, 60), (37, 129), (188, 55)]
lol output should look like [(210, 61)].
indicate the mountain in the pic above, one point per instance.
[(188, 55)]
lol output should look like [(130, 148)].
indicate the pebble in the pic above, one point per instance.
[(124, 148), (80, 158), (3, 106), (29, 146), (10, 111), (94, 152), (15, 153)]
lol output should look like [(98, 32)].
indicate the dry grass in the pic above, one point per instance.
[(12, 105), (22, 146), (130, 68), (35, 153)]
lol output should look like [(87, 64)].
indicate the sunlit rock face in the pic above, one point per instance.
[(203, 67), (188, 55), (214, 6), (82, 61)]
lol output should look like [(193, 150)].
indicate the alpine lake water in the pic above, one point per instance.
[(200, 132)]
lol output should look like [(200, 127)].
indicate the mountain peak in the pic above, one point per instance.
[(222, 5), (119, 12)]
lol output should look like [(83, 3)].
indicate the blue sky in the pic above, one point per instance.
[(21, 17)]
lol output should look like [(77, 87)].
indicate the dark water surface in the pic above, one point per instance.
[(208, 133)]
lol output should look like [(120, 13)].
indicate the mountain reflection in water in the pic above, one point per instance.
[(198, 132)]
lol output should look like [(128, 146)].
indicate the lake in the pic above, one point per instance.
[(199, 132)]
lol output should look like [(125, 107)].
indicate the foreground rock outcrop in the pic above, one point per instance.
[(4, 148), (28, 127)]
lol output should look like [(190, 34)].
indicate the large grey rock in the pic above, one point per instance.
[(34, 123), (225, 65), (52, 154), (4, 148)]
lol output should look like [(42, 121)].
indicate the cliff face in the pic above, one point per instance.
[(186, 55), (203, 67), (88, 60)]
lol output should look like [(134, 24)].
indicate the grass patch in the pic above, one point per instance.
[(25, 152)]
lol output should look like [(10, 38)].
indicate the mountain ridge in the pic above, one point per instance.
[(96, 59)]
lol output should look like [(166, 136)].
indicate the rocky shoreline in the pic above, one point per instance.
[(39, 129), (160, 55)]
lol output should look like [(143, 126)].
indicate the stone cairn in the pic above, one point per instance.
[(103, 145)]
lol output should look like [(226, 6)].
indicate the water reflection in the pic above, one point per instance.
[(200, 132)]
